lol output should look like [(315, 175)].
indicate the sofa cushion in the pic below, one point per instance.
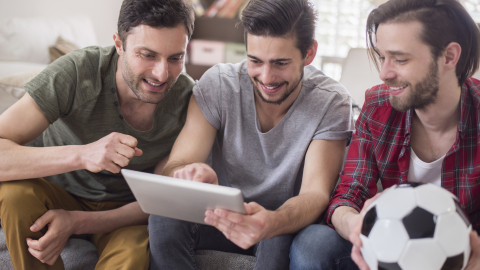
[(60, 48), (14, 84), (28, 39)]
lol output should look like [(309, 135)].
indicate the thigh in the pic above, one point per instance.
[(320, 247), (24, 201), (210, 238), (123, 248), (274, 253)]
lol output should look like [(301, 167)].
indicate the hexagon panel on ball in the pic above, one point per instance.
[(388, 238), (396, 203)]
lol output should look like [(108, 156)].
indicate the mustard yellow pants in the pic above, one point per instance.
[(23, 202)]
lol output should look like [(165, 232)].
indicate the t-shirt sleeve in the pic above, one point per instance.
[(337, 123), (53, 89), (208, 94)]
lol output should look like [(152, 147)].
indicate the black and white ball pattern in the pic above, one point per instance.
[(412, 227)]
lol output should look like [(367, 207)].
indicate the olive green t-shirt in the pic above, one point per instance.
[(78, 95)]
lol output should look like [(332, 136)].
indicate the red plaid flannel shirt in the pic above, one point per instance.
[(380, 149)]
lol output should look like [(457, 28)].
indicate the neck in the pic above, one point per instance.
[(444, 113)]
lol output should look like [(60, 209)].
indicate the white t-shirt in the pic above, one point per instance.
[(422, 172)]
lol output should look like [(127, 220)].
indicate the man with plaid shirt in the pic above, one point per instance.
[(422, 125)]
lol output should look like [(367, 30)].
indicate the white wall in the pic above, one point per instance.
[(104, 13)]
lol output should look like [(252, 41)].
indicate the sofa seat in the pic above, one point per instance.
[(80, 254)]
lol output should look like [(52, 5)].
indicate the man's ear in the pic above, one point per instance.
[(311, 53), (118, 43), (451, 55)]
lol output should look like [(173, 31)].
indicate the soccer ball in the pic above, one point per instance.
[(412, 227)]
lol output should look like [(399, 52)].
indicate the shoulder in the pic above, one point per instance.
[(473, 86), (316, 83), (225, 71)]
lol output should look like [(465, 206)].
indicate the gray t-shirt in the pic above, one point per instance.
[(78, 95), (268, 167)]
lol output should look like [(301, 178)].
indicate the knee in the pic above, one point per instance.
[(165, 231), (15, 195), (317, 247)]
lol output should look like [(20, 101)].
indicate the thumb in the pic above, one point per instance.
[(138, 152), (41, 222), (252, 208)]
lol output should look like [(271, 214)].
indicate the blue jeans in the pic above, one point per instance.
[(173, 244), (320, 247)]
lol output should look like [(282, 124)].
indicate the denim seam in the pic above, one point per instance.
[(192, 246)]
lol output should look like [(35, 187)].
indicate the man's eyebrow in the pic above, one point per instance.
[(272, 60), (156, 53), (394, 52), (147, 49)]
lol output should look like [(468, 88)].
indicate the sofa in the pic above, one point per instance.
[(25, 49)]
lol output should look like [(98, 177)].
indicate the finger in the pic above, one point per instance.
[(358, 258), (254, 208), (125, 151), (112, 167), (138, 152), (41, 221), (354, 238), (474, 261), (120, 160), (229, 215), (128, 140)]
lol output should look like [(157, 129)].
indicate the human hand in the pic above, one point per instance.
[(474, 261), (243, 230), (61, 225), (354, 237), (198, 172), (110, 153)]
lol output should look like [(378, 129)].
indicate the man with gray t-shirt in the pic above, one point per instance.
[(272, 126)]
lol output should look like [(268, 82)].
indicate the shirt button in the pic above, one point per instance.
[(113, 90), (115, 103), (121, 117)]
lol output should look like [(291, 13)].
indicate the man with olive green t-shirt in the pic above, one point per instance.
[(100, 110)]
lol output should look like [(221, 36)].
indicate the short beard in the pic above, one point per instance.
[(422, 95), (280, 100), (133, 81)]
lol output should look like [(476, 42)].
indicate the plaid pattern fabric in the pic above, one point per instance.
[(380, 150)]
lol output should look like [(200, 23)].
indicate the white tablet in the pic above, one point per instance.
[(181, 199)]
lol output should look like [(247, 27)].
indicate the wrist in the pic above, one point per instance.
[(79, 220), (77, 156)]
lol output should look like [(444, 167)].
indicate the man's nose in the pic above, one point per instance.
[(160, 71)]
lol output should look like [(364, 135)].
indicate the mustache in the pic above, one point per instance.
[(395, 83)]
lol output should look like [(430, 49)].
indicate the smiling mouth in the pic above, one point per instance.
[(153, 84), (397, 88)]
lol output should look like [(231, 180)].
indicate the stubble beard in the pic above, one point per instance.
[(134, 83), (422, 95), (282, 98)]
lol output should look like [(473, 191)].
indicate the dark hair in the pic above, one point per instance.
[(154, 13), (444, 21), (278, 18)]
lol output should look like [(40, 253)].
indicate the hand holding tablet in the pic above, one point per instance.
[(181, 199)]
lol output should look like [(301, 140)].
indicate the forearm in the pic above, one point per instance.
[(172, 166), (107, 221), (297, 213), (342, 219), (19, 162)]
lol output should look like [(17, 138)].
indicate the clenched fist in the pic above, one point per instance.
[(110, 153)]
